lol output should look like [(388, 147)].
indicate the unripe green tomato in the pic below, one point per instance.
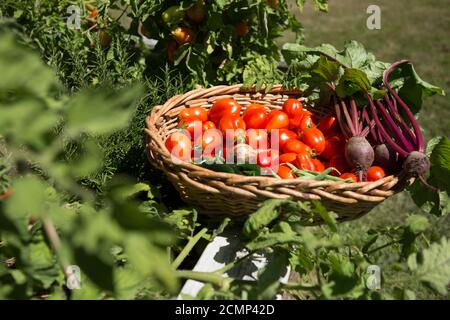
[(173, 15)]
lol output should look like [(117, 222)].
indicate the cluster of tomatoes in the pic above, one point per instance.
[(292, 134)]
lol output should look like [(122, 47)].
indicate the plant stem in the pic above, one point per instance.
[(210, 277), (298, 286), (191, 243), (383, 246), (55, 242)]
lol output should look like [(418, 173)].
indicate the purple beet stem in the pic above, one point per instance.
[(395, 131), (399, 120), (412, 119), (383, 132)]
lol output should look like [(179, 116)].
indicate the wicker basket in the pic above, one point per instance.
[(216, 193)]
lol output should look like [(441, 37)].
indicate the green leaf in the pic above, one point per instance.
[(351, 82), (269, 277), (417, 223), (142, 255), (326, 216), (321, 5), (272, 239), (436, 203), (432, 266), (440, 163), (267, 212), (412, 88), (14, 60), (326, 69), (20, 205), (97, 112)]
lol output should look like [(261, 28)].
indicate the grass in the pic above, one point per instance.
[(410, 29)]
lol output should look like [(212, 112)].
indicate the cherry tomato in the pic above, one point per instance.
[(315, 139), (274, 4), (318, 165), (191, 125), (296, 146), (198, 113), (256, 116), (179, 145), (234, 123), (288, 157), (93, 14), (306, 123), (211, 139), (277, 120), (348, 175), (196, 13), (257, 139), (294, 109), (334, 145), (328, 125), (208, 125), (222, 107), (340, 163), (283, 136), (241, 29), (304, 161), (375, 173), (265, 158), (183, 35), (284, 172)]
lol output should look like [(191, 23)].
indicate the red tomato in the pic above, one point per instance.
[(333, 146), (304, 161), (179, 145), (283, 136), (191, 125), (257, 139), (198, 113), (242, 29), (340, 163), (315, 139), (294, 109), (284, 172), (328, 125), (348, 175), (318, 165), (296, 146), (375, 173), (208, 125), (256, 116), (306, 122), (210, 140), (232, 122), (288, 158), (265, 158), (222, 107), (277, 120)]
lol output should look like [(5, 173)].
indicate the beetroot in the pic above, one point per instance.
[(358, 151), (394, 130)]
